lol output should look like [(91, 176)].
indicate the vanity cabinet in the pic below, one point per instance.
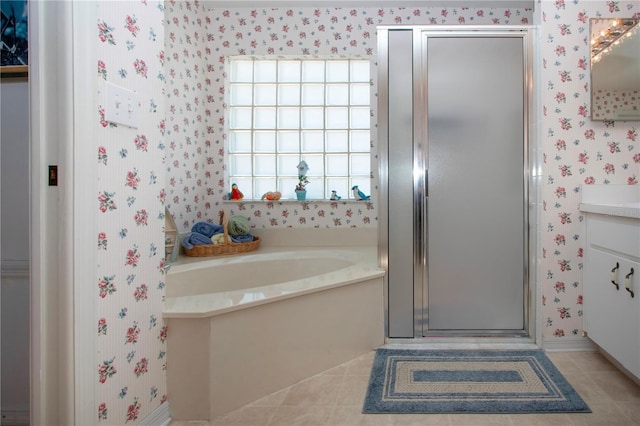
[(611, 274)]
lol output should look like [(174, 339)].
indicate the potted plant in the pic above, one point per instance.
[(301, 191)]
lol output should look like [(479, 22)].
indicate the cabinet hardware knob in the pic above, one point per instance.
[(613, 276), (627, 282)]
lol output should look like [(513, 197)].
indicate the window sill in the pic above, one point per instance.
[(289, 201)]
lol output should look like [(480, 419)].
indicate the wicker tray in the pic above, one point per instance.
[(229, 247)]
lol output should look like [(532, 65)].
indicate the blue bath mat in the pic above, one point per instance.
[(462, 381)]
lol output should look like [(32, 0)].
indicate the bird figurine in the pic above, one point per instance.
[(271, 196), (335, 196), (235, 193), (359, 195)]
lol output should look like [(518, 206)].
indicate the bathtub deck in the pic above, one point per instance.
[(364, 267)]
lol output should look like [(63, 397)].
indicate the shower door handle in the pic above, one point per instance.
[(426, 183)]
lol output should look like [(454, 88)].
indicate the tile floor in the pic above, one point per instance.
[(335, 398)]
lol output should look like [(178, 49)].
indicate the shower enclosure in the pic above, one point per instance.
[(454, 108)]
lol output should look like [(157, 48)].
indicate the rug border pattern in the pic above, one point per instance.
[(383, 397)]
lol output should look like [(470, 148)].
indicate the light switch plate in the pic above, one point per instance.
[(122, 106)]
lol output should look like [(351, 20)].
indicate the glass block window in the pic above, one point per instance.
[(286, 110)]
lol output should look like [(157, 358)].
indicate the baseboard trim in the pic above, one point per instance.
[(15, 418), (159, 416), (568, 344)]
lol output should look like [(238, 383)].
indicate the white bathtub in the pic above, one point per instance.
[(244, 326)]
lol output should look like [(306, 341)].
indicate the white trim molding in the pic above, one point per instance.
[(81, 181), (159, 416), (568, 344)]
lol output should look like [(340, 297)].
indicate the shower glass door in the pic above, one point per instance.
[(475, 197)]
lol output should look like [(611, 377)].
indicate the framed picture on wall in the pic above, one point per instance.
[(14, 25)]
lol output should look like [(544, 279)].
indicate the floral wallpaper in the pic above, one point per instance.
[(130, 359), (173, 55), (576, 151), (607, 102), (198, 42)]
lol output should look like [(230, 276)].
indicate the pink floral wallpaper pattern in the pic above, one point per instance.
[(198, 42), (607, 102), (130, 358), (173, 55), (576, 151)]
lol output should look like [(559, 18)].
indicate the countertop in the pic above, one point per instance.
[(611, 200)]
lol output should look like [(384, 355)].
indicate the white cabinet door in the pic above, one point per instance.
[(612, 316)]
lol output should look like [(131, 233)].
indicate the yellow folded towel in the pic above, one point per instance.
[(218, 239)]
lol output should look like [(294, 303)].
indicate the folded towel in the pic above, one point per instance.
[(195, 238), (238, 225), (246, 238), (206, 228), (218, 239)]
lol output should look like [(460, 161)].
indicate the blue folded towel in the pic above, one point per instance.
[(195, 238), (245, 238), (208, 229)]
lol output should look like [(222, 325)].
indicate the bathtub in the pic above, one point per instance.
[(244, 326)]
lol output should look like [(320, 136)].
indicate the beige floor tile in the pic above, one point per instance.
[(321, 390), (480, 419), (272, 400), (335, 398), (616, 385), (604, 414), (560, 419), (352, 416), (340, 370), (591, 361), (301, 416), (352, 390), (420, 420), (587, 388), (564, 361), (361, 366), (630, 409), (186, 423), (246, 416)]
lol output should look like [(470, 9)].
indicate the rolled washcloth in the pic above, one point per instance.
[(238, 225), (195, 238), (207, 229), (238, 228), (246, 238), (218, 239)]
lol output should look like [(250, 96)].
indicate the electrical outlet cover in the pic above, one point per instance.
[(122, 106)]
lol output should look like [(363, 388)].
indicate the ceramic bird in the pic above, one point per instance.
[(359, 195), (271, 196), (335, 196), (235, 193)]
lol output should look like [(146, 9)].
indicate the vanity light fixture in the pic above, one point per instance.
[(611, 37)]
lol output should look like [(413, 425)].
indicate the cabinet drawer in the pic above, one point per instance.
[(620, 234)]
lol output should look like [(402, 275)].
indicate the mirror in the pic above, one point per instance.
[(615, 69)]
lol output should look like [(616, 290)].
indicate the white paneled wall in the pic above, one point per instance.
[(15, 251), (15, 342)]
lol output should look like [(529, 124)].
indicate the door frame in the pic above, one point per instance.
[(62, 255), (531, 176)]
